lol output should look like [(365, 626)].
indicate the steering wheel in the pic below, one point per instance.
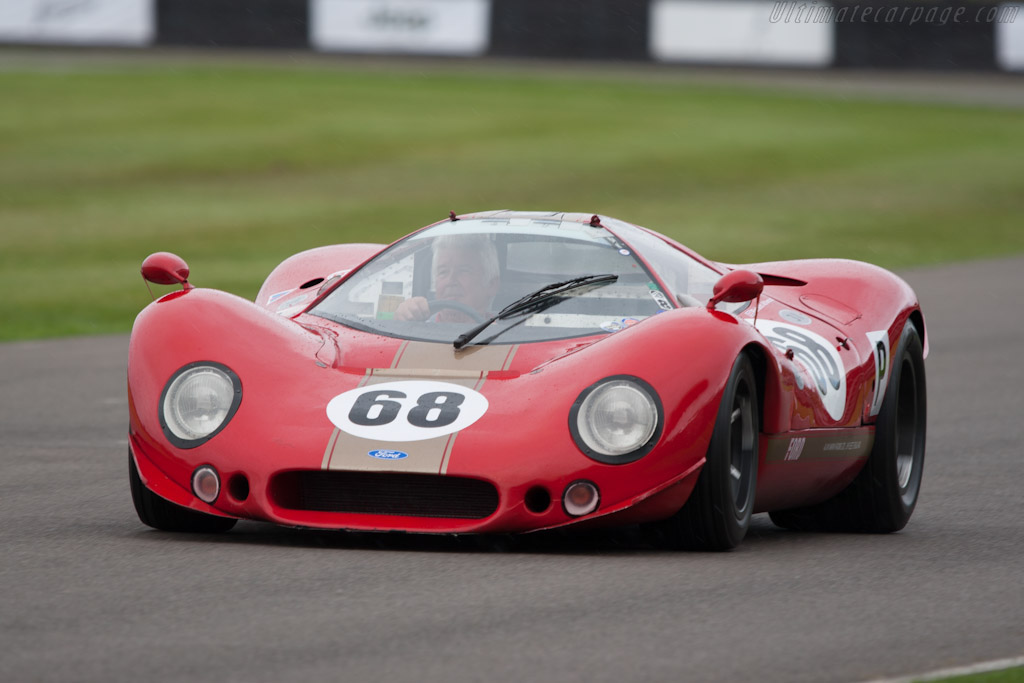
[(436, 305)]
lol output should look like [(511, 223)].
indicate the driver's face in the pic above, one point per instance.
[(459, 275)]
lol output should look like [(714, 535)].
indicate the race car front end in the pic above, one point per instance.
[(408, 436)]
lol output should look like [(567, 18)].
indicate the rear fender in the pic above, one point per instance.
[(299, 278)]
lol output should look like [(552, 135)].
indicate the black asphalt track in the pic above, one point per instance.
[(90, 594)]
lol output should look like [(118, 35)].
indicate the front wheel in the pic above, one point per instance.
[(884, 494), (717, 514), (162, 514)]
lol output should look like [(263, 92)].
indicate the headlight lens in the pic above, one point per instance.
[(615, 420), (198, 401)]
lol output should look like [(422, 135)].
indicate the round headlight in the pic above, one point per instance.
[(198, 402), (615, 420)]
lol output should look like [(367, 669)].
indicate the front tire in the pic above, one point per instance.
[(717, 515), (161, 514), (884, 494)]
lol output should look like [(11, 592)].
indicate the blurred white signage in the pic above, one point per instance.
[(439, 27), (736, 32), (77, 22), (1010, 37)]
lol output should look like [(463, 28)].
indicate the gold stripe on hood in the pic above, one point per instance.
[(424, 355), (418, 360)]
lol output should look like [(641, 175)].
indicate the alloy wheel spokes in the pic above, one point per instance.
[(904, 468), (906, 426), (741, 451)]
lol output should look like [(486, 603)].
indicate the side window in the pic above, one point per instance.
[(380, 292), (680, 273), (702, 282)]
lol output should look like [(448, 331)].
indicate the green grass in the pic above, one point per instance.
[(1014, 675), (235, 167)]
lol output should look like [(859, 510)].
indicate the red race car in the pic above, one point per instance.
[(518, 371)]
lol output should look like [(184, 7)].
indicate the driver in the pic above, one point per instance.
[(465, 271)]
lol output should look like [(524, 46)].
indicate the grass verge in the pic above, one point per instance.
[(235, 167), (1011, 675)]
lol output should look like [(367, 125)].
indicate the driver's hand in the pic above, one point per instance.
[(413, 309)]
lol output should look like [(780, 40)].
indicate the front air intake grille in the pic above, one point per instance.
[(385, 493)]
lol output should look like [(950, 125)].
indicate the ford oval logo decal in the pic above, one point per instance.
[(388, 455)]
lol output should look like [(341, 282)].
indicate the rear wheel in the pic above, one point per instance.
[(717, 514), (161, 514), (884, 493)]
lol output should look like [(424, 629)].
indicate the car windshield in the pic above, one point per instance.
[(445, 280)]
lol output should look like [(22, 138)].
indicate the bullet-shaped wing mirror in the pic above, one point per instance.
[(735, 287), (165, 268)]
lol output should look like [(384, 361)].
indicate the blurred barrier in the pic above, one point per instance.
[(912, 34), (71, 22), (922, 35), (739, 32), (450, 27), (1010, 40), (576, 29), (231, 23)]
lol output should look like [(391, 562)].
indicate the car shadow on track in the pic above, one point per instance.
[(619, 540)]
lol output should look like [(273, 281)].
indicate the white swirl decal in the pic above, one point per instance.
[(817, 356)]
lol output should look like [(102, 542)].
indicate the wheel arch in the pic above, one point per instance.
[(310, 268), (759, 359), (917, 320)]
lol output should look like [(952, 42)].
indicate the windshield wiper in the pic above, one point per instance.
[(536, 299)]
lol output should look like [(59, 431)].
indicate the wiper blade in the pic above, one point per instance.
[(536, 299)]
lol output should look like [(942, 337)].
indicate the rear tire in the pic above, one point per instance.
[(884, 494), (717, 515), (161, 514)]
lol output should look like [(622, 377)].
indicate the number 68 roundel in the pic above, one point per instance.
[(411, 410)]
